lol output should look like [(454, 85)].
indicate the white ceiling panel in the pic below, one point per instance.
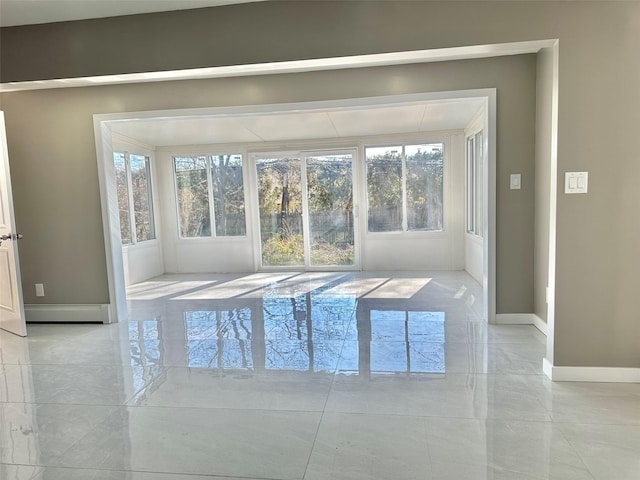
[(301, 125), (291, 126), (189, 131), (378, 121), (449, 115)]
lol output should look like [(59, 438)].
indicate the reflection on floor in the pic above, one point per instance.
[(304, 376)]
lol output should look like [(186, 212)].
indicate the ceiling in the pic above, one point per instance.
[(28, 12), (302, 125)]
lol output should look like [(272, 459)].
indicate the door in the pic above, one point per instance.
[(329, 210), (306, 210), (11, 303)]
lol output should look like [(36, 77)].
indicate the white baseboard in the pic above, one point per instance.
[(521, 319), (43, 313), (590, 374)]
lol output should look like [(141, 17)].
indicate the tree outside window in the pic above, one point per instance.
[(210, 195), (405, 187), (133, 188)]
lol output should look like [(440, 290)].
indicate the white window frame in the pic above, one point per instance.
[(237, 151), (307, 149), (471, 180), (405, 222), (132, 214)]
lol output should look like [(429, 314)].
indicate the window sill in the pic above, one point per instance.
[(144, 244)]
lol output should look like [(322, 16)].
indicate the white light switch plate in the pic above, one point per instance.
[(576, 182), (515, 181)]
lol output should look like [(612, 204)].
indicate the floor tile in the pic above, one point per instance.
[(58, 473), (609, 451), (19, 472), (245, 443), (579, 402), (536, 449), (521, 358), (207, 388), (76, 384), (293, 375), (369, 447), (458, 471), (35, 434), (450, 395)]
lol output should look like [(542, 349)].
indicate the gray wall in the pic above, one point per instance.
[(55, 174), (596, 317)]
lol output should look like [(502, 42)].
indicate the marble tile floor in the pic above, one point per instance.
[(309, 376)]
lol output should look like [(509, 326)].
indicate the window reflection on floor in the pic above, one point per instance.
[(311, 332), (406, 341), (145, 342)]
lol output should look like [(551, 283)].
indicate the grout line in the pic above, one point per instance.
[(333, 381)]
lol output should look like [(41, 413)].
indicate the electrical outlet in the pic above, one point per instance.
[(39, 289)]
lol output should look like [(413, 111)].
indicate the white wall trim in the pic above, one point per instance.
[(98, 313), (539, 323), (489, 248), (590, 374), (521, 319), (553, 201), (110, 223)]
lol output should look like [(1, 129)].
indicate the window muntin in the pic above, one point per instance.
[(133, 188), (210, 190), (475, 168), (405, 187)]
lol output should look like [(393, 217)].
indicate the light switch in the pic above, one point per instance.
[(576, 182), (515, 181)]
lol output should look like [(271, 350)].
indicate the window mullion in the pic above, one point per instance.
[(306, 227), (152, 220), (132, 208), (470, 184), (212, 207), (405, 222)]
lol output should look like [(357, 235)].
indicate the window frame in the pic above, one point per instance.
[(472, 174), (210, 195), (403, 143), (130, 198)]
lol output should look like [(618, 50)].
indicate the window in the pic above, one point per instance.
[(141, 190), (405, 187), (193, 196), (133, 187), (474, 184), (210, 196)]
